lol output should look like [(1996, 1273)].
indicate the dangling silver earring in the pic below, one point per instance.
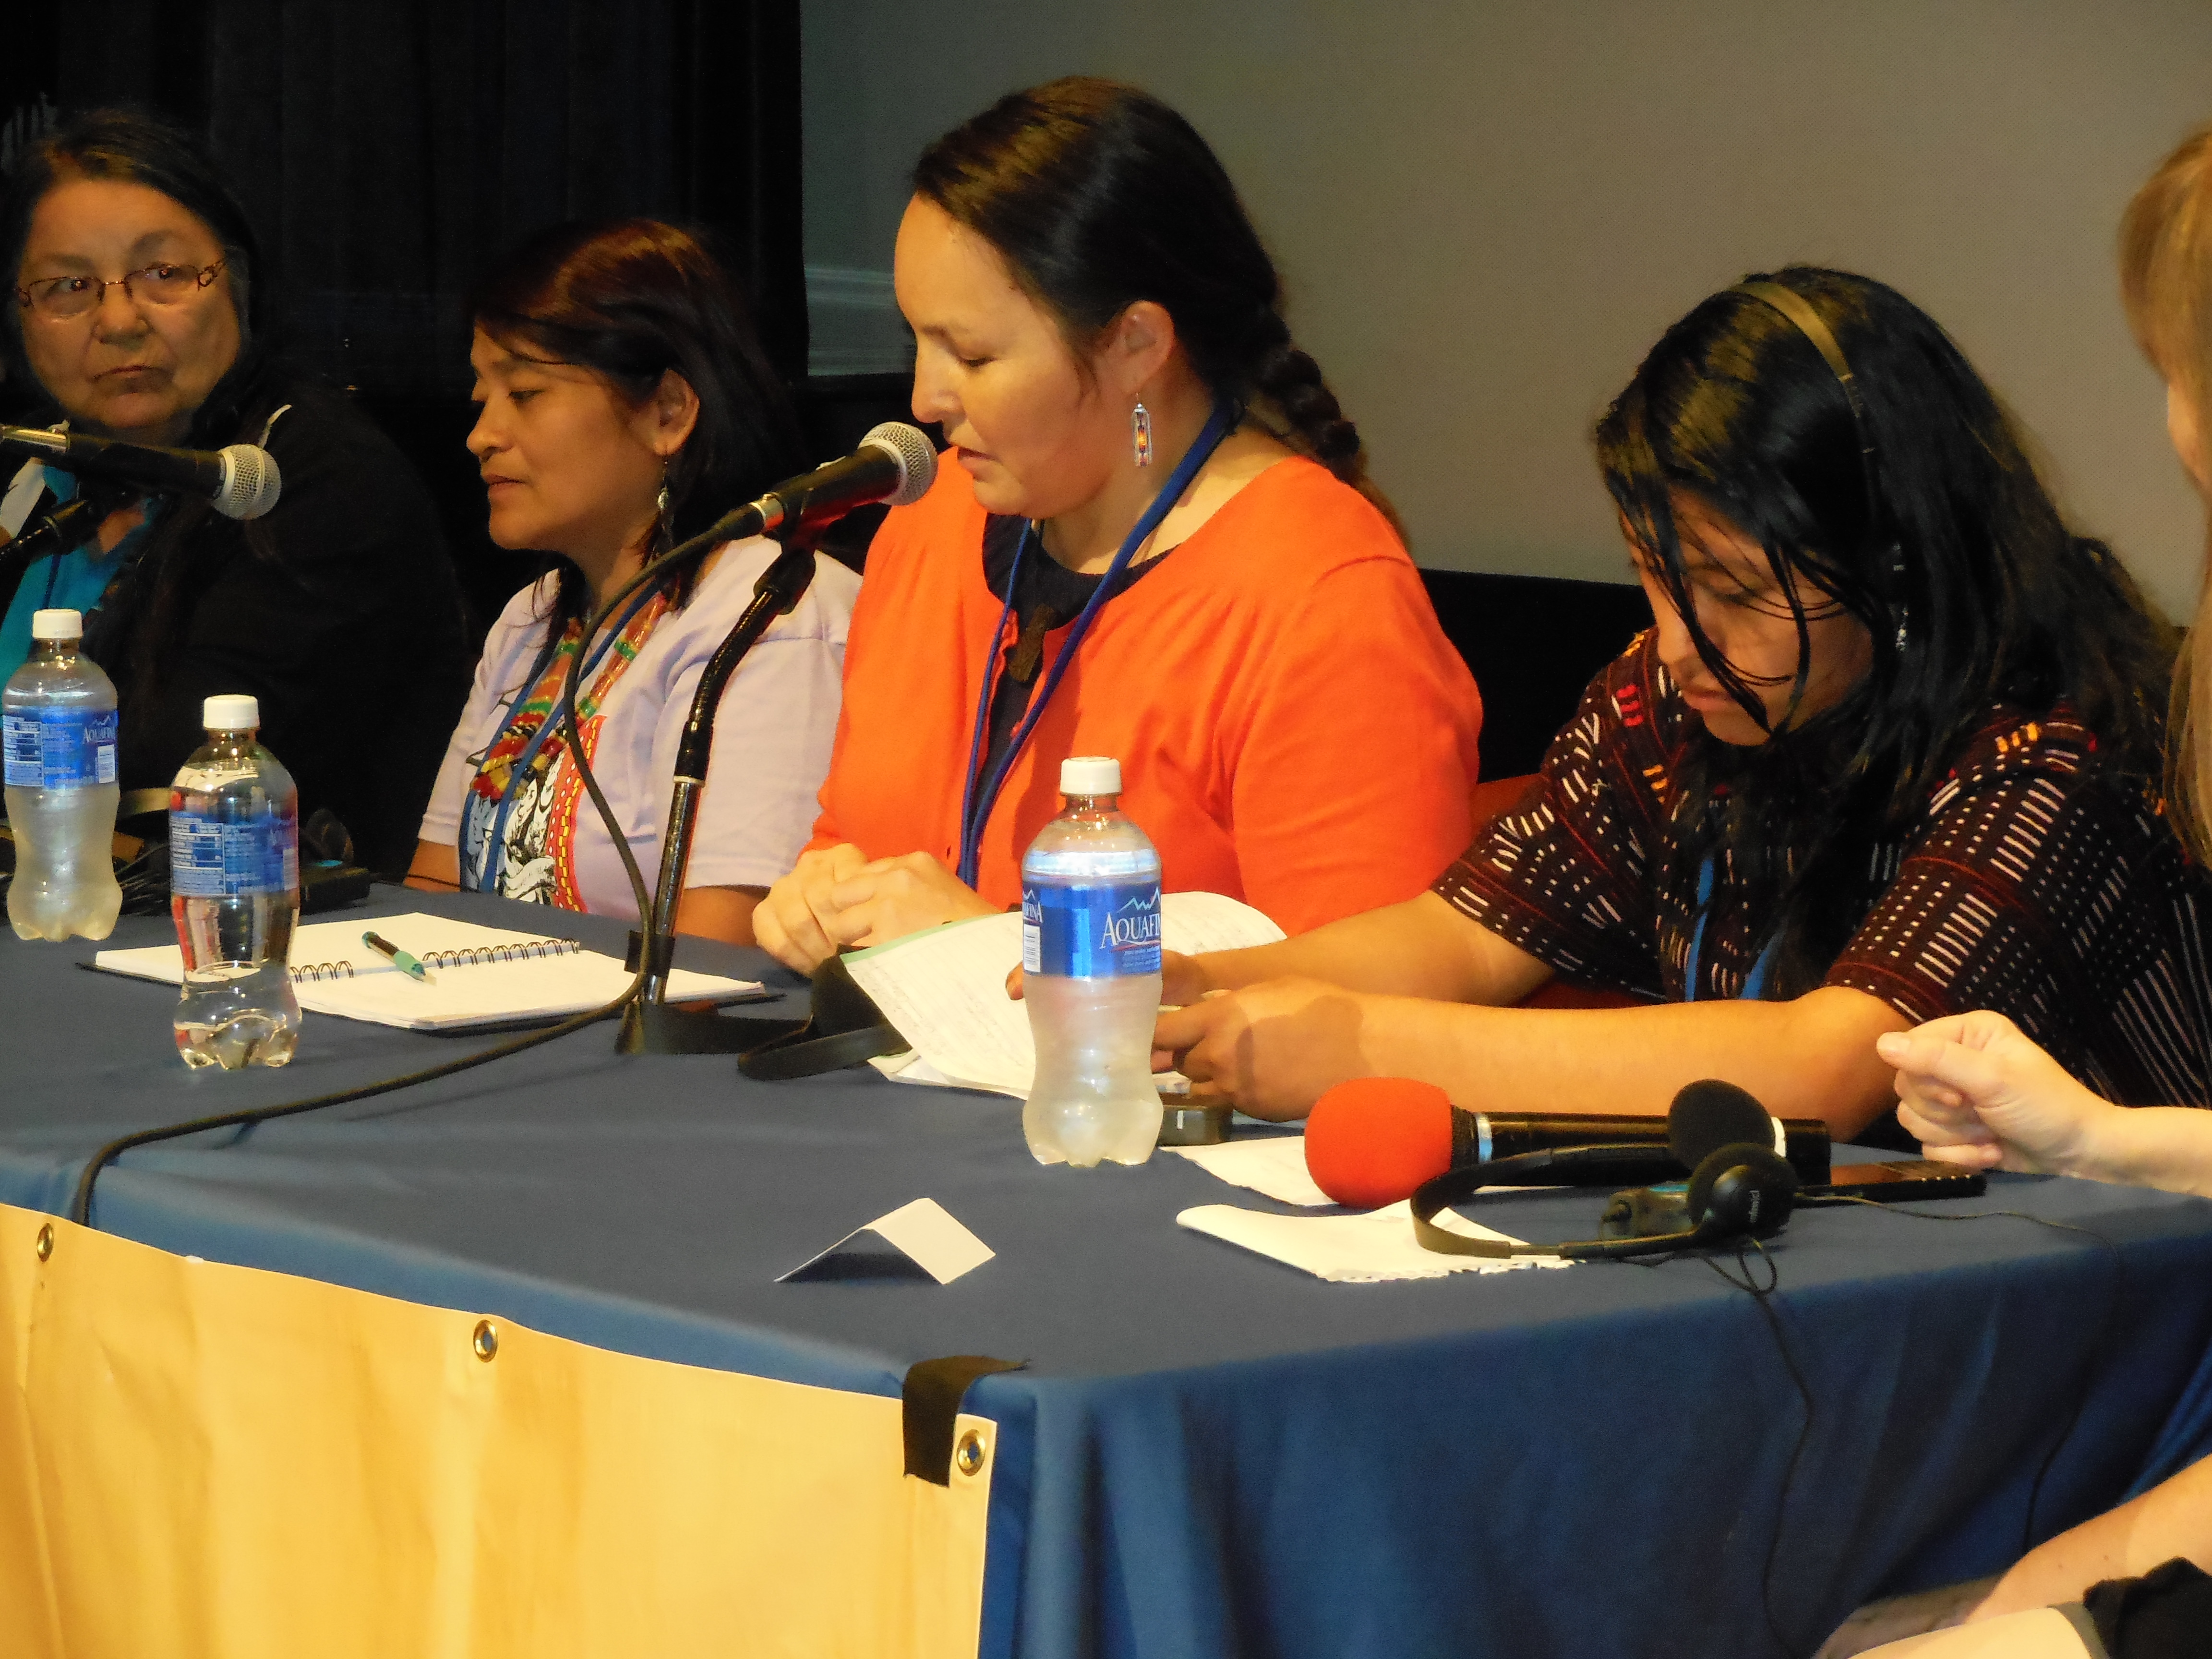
[(1902, 616), (663, 532), (1140, 434)]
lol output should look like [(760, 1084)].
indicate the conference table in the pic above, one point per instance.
[(1205, 1452)]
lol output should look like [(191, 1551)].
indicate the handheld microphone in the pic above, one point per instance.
[(242, 480), (68, 527), (1373, 1140), (894, 462)]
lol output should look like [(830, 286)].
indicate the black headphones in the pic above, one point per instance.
[(1739, 1188), (1799, 311)]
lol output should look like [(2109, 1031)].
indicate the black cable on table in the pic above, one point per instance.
[(1760, 1293), (661, 569)]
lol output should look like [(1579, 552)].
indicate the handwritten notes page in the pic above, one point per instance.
[(945, 989)]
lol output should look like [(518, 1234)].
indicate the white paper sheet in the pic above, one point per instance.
[(1274, 1165), (1354, 1249), (926, 1233), (946, 990)]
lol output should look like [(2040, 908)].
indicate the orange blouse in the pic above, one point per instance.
[(1294, 729)]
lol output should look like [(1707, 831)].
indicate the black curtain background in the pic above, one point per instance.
[(388, 152)]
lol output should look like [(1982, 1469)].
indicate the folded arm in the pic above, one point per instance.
[(1389, 995)]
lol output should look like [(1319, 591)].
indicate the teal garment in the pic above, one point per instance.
[(72, 582)]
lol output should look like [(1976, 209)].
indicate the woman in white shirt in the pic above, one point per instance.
[(625, 407)]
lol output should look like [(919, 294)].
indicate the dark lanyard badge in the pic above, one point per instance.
[(1755, 982), (977, 802)]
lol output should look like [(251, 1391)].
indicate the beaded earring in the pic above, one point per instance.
[(1140, 434)]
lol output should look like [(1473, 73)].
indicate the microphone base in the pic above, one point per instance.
[(661, 1028)]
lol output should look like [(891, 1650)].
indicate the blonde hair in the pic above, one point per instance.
[(2166, 280)]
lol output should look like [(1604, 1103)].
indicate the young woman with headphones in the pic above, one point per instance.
[(1890, 752), (1979, 1091)]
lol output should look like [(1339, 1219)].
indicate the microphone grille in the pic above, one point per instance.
[(251, 481), (1709, 1114), (1372, 1140), (917, 458)]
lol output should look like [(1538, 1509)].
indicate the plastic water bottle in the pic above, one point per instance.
[(1090, 962), (59, 715), (234, 893)]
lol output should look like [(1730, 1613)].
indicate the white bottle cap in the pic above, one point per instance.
[(56, 625), (1091, 774), (231, 714)]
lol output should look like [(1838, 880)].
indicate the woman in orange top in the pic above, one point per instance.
[(1157, 542)]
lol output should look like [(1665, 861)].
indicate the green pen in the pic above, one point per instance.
[(400, 959)]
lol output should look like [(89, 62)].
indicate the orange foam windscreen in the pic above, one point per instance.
[(1371, 1141)]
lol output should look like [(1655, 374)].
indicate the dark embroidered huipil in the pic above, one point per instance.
[(2036, 884)]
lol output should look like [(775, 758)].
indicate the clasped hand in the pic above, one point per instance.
[(839, 896)]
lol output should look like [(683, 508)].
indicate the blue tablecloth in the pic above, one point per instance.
[(1208, 1453)]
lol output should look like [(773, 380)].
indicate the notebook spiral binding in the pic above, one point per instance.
[(468, 955)]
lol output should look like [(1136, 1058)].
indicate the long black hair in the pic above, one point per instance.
[(129, 147), (631, 300), (1097, 195), (1927, 523)]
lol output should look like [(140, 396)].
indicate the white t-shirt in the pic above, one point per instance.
[(772, 733)]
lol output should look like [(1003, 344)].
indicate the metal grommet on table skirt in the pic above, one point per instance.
[(485, 1342), (45, 1240), (968, 1456)]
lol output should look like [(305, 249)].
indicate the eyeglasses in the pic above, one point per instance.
[(60, 298)]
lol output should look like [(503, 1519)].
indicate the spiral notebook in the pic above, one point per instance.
[(479, 976)]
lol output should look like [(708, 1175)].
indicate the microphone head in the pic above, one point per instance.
[(1708, 1114), (916, 456), (1371, 1141), (251, 481)]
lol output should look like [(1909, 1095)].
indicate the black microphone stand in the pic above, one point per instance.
[(650, 1025)]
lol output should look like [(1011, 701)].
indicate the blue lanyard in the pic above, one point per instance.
[(977, 802), (494, 857), (1755, 982)]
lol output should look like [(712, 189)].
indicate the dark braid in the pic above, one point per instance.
[(1311, 421), (1097, 196)]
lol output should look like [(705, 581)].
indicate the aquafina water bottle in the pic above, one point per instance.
[(234, 893), (1090, 962), (59, 715)]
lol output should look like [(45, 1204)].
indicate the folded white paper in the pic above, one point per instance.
[(1354, 1249), (1273, 1164), (1276, 1165), (945, 989), (923, 1231)]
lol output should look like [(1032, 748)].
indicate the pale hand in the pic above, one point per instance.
[(1268, 1049), (1977, 1093)]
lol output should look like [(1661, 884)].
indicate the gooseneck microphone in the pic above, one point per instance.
[(242, 480), (895, 463), (1372, 1141)]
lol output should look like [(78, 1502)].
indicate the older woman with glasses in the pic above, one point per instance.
[(131, 268)]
